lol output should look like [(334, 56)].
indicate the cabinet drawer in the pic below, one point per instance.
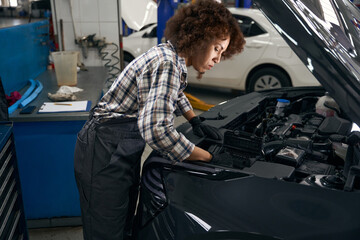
[(9, 216), (8, 178), (14, 231), (4, 200), (5, 150), (5, 167)]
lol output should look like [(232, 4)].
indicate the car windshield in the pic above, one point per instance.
[(248, 26)]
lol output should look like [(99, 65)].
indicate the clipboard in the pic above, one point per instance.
[(63, 107)]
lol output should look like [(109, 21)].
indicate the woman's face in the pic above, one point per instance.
[(205, 60)]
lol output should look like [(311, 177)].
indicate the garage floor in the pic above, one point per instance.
[(208, 95)]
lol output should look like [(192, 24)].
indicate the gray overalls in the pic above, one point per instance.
[(108, 178)]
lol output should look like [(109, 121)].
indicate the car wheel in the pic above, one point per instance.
[(268, 78), (127, 59)]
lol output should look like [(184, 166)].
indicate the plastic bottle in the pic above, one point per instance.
[(323, 102)]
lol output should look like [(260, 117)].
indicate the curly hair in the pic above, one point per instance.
[(197, 25)]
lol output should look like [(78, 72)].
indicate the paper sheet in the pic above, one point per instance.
[(73, 106)]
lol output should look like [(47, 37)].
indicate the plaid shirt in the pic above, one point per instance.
[(151, 89)]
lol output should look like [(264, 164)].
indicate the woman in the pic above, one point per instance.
[(139, 108)]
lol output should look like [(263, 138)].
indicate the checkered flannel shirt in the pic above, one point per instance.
[(151, 89)]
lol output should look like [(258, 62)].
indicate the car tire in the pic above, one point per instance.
[(127, 59), (268, 78)]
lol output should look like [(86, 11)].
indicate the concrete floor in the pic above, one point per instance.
[(208, 95)]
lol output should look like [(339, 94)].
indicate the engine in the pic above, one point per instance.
[(308, 145)]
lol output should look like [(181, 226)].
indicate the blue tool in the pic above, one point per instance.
[(36, 92)]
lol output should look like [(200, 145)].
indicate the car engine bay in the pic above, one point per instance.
[(303, 139)]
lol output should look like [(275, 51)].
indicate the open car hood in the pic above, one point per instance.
[(325, 34), (146, 13)]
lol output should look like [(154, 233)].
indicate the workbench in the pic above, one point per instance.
[(45, 149)]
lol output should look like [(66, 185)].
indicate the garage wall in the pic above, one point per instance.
[(90, 16)]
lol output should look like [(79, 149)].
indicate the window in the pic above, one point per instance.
[(9, 3), (151, 34), (13, 3), (248, 26)]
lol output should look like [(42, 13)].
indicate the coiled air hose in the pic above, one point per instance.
[(111, 62)]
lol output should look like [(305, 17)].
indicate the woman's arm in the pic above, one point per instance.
[(189, 115), (199, 154)]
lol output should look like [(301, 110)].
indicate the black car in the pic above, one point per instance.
[(297, 169)]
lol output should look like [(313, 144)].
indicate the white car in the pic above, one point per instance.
[(266, 62), (139, 42)]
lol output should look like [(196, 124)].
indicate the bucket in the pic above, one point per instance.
[(66, 67)]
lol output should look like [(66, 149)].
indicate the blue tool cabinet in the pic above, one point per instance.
[(45, 153), (45, 144), (12, 218)]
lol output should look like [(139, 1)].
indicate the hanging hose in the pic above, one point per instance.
[(113, 69)]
